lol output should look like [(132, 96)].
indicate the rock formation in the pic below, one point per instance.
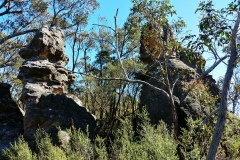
[(186, 71), (11, 118), (44, 94), (152, 43)]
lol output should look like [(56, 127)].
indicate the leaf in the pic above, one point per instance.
[(201, 26)]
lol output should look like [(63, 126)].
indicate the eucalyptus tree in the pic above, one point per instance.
[(219, 28), (20, 19)]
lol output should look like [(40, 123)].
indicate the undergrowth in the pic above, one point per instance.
[(151, 142), (147, 142)]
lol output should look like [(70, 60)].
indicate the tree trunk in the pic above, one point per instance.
[(223, 105)]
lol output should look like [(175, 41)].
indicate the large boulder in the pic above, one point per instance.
[(57, 110), (11, 118), (186, 73), (44, 94)]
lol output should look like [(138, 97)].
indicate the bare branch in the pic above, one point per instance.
[(8, 12), (16, 34), (213, 66), (206, 119), (174, 83), (3, 4), (119, 56), (100, 25), (164, 93), (8, 62)]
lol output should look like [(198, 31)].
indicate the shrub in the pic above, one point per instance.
[(79, 146), (45, 149), (231, 138), (152, 142), (19, 151)]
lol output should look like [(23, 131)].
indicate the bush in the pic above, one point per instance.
[(19, 151), (45, 149), (79, 146), (231, 137), (195, 142), (152, 142)]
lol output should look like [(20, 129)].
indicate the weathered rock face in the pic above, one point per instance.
[(159, 107), (152, 43), (44, 78), (11, 118)]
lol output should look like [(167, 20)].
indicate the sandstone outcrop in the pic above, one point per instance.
[(44, 94), (11, 118), (186, 71)]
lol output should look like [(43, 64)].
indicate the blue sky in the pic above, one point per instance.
[(185, 9)]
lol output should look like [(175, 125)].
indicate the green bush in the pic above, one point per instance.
[(192, 142), (152, 142), (79, 146), (45, 149), (19, 151), (195, 141), (231, 137)]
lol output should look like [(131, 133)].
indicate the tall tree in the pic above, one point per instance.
[(219, 28), (20, 19)]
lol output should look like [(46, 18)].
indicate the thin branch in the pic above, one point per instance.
[(214, 52), (16, 34), (164, 93), (119, 56), (213, 66), (206, 119), (3, 4), (174, 83), (8, 62), (100, 25), (8, 12)]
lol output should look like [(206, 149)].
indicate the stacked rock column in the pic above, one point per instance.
[(44, 79)]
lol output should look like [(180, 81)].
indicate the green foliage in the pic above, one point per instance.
[(200, 93), (19, 151), (231, 138), (215, 27), (234, 146), (80, 146), (152, 142), (195, 140), (45, 149), (194, 143), (100, 148)]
